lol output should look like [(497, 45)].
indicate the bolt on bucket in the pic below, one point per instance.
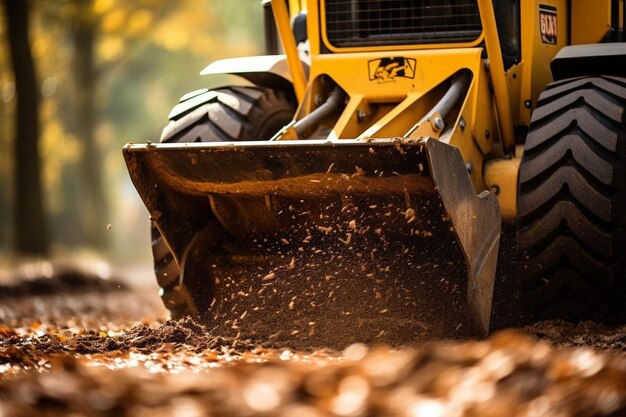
[(327, 242)]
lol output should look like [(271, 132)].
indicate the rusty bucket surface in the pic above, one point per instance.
[(341, 222)]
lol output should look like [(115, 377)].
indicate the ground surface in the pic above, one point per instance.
[(77, 345)]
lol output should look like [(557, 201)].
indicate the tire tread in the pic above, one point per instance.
[(571, 196)]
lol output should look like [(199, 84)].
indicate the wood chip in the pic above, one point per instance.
[(347, 239)]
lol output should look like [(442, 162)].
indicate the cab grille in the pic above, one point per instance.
[(357, 23)]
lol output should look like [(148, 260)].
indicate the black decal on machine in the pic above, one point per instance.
[(388, 69), (548, 24)]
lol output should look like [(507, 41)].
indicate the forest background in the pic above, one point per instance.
[(102, 73)]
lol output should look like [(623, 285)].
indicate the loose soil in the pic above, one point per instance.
[(366, 271), (108, 350)]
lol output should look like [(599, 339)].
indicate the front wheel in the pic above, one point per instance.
[(572, 200), (221, 115)]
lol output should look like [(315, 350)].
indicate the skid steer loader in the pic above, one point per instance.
[(371, 157)]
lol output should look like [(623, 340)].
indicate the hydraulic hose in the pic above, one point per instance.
[(459, 86), (455, 92), (313, 119)]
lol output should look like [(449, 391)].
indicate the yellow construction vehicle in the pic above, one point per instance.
[(382, 134)]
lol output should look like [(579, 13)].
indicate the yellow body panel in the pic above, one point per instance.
[(431, 67), (535, 70), (501, 179), (591, 21)]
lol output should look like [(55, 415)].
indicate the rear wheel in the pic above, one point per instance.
[(572, 200), (221, 115)]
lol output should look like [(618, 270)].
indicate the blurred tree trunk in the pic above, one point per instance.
[(30, 234), (94, 207)]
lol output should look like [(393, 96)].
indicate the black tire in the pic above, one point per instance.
[(572, 201), (224, 114)]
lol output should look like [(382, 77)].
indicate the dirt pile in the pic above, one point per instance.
[(172, 335)]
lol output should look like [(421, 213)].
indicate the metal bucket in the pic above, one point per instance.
[(257, 227)]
